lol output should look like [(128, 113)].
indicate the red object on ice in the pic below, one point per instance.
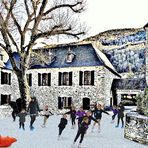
[(6, 141)]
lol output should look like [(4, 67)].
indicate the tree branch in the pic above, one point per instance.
[(66, 5), (3, 46), (12, 3)]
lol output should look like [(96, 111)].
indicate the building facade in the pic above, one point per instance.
[(80, 79)]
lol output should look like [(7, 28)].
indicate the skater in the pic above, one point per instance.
[(90, 118), (62, 125), (72, 113), (81, 131), (80, 113), (46, 114), (120, 115), (33, 109), (98, 115), (14, 108), (22, 116), (115, 112)]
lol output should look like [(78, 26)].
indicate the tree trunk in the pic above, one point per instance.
[(23, 88)]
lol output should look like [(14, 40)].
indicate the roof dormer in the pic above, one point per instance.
[(70, 56)]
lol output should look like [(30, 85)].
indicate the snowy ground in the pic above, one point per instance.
[(110, 137)]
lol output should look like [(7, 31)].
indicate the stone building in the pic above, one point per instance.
[(79, 74)]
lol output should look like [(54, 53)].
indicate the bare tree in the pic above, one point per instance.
[(24, 23)]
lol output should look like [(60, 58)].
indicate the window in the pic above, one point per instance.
[(5, 98), (86, 78), (44, 79), (5, 78), (64, 102), (70, 56), (29, 79), (65, 78)]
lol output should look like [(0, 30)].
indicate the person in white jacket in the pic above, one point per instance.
[(46, 114)]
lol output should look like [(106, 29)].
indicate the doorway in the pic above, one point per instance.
[(86, 103)]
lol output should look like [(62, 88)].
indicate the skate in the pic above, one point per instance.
[(58, 137), (117, 126), (73, 145), (79, 146), (43, 126), (31, 128), (99, 130)]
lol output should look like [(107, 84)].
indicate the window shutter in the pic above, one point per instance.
[(69, 101), (80, 78), (49, 79), (59, 103), (92, 77), (2, 78), (9, 79), (60, 74), (70, 78), (30, 79), (39, 79)]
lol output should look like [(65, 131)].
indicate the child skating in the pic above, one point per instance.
[(80, 113), (72, 113), (22, 116), (98, 115), (83, 126), (46, 114), (62, 125), (120, 115), (115, 112)]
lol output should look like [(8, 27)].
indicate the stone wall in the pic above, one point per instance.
[(136, 128), (49, 94)]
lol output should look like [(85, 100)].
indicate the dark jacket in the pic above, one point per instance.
[(63, 123), (98, 113), (33, 108), (22, 117), (121, 111), (14, 106)]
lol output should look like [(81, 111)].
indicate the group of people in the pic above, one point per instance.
[(32, 110), (83, 117)]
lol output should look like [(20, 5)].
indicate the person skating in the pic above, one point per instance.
[(90, 117), (62, 125), (115, 112), (14, 107), (120, 115), (83, 126), (98, 115), (33, 109), (72, 113), (46, 114), (80, 113), (22, 119)]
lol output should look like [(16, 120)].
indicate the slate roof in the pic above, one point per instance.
[(129, 84), (85, 55)]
